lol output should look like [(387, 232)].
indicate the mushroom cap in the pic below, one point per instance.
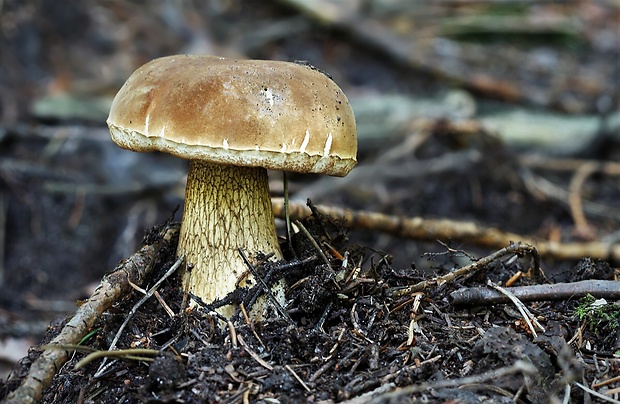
[(277, 115)]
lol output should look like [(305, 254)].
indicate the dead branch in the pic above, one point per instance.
[(470, 269), (559, 291), (114, 285), (443, 229)]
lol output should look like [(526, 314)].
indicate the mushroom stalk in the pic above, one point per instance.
[(226, 208)]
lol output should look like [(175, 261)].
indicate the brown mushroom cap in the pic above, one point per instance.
[(277, 115)]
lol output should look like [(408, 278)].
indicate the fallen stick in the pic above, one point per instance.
[(469, 269), (443, 229), (526, 314), (559, 291), (114, 285)]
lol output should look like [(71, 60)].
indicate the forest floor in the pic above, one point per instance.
[(375, 313)]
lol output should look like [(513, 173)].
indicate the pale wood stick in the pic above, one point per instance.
[(418, 228), (558, 291)]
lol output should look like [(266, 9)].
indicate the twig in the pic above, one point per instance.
[(613, 392), (266, 288), (319, 325), (250, 324), (69, 347), (365, 397), (606, 382), (234, 338), (322, 370), (112, 287), (163, 304), (410, 330), (412, 325), (253, 354), (525, 313), (312, 241), (426, 229), (575, 199), (121, 353), (596, 393), (210, 308), (296, 376), (135, 308), (559, 291), (518, 367), (287, 217), (353, 315), (468, 269)]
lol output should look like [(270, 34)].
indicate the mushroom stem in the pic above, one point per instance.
[(226, 208)]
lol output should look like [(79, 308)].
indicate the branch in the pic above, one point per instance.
[(443, 229), (470, 269), (559, 291)]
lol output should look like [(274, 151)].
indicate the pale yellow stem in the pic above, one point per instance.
[(226, 208)]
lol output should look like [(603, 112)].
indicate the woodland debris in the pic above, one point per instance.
[(468, 270), (559, 291), (419, 228), (135, 308), (520, 367), (115, 284), (529, 318)]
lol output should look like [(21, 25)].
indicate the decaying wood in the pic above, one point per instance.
[(443, 229), (114, 285), (559, 291)]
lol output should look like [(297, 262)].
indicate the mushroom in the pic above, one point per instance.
[(233, 119)]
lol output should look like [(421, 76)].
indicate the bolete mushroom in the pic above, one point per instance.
[(233, 119)]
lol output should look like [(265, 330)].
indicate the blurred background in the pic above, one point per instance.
[(466, 109)]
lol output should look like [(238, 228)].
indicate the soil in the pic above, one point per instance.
[(73, 210), (345, 337)]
